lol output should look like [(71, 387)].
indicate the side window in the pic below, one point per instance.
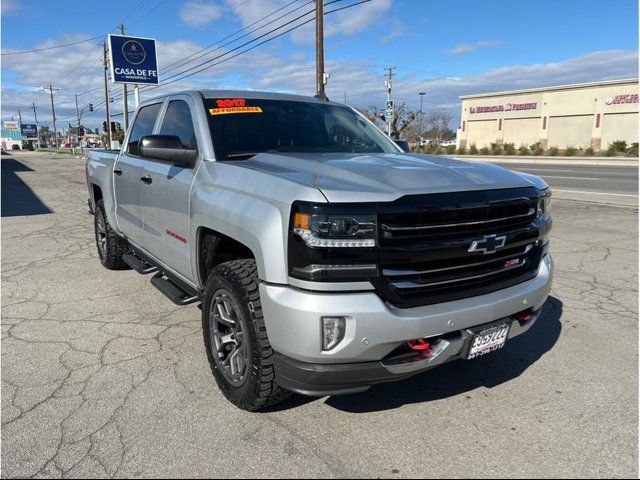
[(177, 122), (143, 125)]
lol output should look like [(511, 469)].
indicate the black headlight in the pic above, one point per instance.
[(544, 204), (333, 242)]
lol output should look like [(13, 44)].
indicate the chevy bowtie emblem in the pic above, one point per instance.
[(489, 244)]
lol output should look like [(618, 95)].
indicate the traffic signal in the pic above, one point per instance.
[(104, 126), (118, 127), (81, 132), (113, 127), (91, 107)]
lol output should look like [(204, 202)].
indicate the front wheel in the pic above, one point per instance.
[(235, 337)]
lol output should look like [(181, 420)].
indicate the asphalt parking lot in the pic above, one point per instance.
[(103, 377)]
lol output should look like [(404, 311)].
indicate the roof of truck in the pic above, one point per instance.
[(253, 94)]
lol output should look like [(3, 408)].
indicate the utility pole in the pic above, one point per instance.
[(106, 95), (53, 114), (421, 122), (20, 120), (35, 117), (390, 107), (124, 93), (77, 113), (321, 77)]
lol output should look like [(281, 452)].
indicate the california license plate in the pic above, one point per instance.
[(488, 340)]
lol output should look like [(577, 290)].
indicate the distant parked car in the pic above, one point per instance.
[(448, 143), (15, 146)]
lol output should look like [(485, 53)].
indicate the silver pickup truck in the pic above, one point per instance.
[(324, 257)]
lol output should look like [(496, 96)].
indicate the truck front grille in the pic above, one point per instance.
[(425, 243)]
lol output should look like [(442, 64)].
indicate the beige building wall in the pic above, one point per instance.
[(580, 115), (521, 131)]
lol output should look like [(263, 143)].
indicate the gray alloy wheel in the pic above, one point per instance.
[(101, 234), (227, 338)]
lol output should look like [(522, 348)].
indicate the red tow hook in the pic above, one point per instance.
[(419, 345), (523, 316)]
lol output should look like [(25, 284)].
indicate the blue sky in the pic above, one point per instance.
[(444, 48)]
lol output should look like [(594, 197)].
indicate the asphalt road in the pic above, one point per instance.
[(585, 178), (103, 377)]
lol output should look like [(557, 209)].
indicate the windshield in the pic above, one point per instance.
[(242, 128)]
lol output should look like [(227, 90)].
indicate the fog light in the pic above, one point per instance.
[(333, 329)]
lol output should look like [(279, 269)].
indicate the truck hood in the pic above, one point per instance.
[(348, 177)]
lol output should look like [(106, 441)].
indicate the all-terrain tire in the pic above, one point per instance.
[(111, 246), (237, 282)]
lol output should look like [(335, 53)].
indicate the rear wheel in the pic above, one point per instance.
[(235, 337), (111, 247)]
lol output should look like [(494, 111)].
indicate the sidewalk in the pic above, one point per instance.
[(558, 160)]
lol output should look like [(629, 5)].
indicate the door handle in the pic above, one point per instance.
[(146, 179), (117, 171)]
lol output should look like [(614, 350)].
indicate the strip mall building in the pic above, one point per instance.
[(580, 115)]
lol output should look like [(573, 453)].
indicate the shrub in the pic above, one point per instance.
[(428, 148), (473, 150), (619, 145), (462, 150), (589, 152), (633, 149), (451, 149), (570, 151), (496, 149), (611, 151), (536, 149), (553, 151), (509, 149), (523, 150), (437, 150), (484, 151)]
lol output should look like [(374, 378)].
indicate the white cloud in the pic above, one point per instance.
[(78, 69), (471, 47), (198, 14)]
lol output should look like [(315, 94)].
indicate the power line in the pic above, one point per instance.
[(209, 63), (259, 44), (218, 42), (53, 47)]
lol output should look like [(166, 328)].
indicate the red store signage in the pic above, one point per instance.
[(507, 107)]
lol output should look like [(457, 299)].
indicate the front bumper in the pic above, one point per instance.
[(374, 329), (319, 380)]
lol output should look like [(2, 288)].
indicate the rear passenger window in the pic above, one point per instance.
[(143, 125), (178, 123)]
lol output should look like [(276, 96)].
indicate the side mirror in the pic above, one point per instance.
[(403, 144), (167, 148)]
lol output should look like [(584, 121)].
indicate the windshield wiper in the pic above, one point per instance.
[(241, 155)]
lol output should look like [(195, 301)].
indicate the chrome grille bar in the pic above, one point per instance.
[(403, 285), (395, 272), (461, 224)]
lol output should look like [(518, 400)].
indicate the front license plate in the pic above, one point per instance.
[(488, 340)]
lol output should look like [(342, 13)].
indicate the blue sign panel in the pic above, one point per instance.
[(29, 130), (133, 60)]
